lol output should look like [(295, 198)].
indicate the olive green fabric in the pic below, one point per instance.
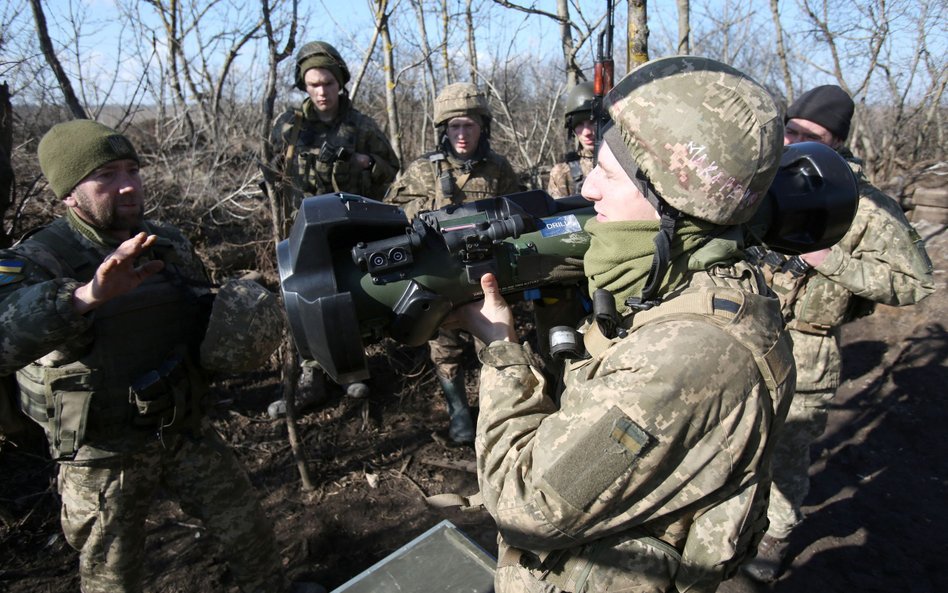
[(620, 256), (326, 56), (321, 61), (72, 150)]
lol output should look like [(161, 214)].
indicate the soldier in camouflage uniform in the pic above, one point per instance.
[(566, 177), (102, 317), (881, 259), (326, 145), (650, 471), (463, 169), (553, 306)]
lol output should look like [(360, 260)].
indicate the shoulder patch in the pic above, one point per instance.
[(11, 271)]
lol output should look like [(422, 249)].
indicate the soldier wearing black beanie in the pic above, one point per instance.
[(828, 105)]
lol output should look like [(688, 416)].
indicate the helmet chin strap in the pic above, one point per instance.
[(662, 257), (669, 220)]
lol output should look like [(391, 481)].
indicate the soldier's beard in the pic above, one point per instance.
[(124, 213)]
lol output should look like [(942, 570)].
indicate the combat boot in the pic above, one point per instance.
[(461, 426), (769, 562)]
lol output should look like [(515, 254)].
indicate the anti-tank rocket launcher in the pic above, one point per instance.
[(353, 270)]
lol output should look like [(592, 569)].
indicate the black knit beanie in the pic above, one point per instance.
[(828, 105)]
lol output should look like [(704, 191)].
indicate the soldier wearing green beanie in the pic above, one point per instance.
[(324, 146), (103, 324)]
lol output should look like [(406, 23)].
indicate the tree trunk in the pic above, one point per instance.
[(684, 27), (637, 49), (69, 95), (782, 52), (471, 42)]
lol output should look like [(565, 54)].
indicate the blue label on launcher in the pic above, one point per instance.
[(560, 225)]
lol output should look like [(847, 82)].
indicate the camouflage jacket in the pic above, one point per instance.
[(566, 177), (652, 470), (311, 173), (881, 259), (61, 357), (420, 188)]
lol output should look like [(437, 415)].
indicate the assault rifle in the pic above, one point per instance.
[(603, 77)]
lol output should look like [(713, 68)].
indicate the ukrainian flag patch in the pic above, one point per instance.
[(10, 271)]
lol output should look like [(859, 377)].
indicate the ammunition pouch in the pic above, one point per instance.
[(164, 398)]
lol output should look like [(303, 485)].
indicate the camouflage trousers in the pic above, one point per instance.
[(447, 352), (105, 504), (806, 421)]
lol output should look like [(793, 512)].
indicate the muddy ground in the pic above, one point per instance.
[(877, 512)]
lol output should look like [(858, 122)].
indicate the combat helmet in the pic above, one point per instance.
[(245, 328), (579, 104), (323, 55), (705, 136), (460, 99)]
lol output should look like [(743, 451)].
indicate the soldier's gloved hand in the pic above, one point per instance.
[(118, 274), (489, 320)]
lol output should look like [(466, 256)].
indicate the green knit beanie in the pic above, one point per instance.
[(72, 150)]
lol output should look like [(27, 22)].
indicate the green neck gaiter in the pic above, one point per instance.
[(88, 231), (620, 255)]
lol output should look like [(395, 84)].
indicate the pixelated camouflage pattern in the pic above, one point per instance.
[(881, 258), (245, 328), (657, 447), (106, 496), (721, 135), (351, 129), (105, 505), (561, 182), (806, 421), (459, 99), (37, 319), (417, 189)]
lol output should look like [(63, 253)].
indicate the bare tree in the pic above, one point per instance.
[(781, 50), (637, 46), (471, 41), (684, 27), (49, 52)]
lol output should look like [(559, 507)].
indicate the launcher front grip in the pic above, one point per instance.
[(354, 270)]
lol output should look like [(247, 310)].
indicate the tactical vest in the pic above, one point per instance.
[(318, 160), (738, 521), (575, 171), (452, 182), (136, 377)]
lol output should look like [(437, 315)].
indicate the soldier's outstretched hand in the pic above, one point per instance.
[(489, 320), (118, 274)]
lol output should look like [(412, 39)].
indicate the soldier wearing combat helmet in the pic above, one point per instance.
[(102, 318), (649, 471), (323, 146), (566, 176), (462, 169), (326, 145)]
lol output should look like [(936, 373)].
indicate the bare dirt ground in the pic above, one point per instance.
[(877, 512)]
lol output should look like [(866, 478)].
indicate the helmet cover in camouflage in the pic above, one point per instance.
[(246, 326), (319, 54), (707, 136), (458, 100), (579, 104)]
